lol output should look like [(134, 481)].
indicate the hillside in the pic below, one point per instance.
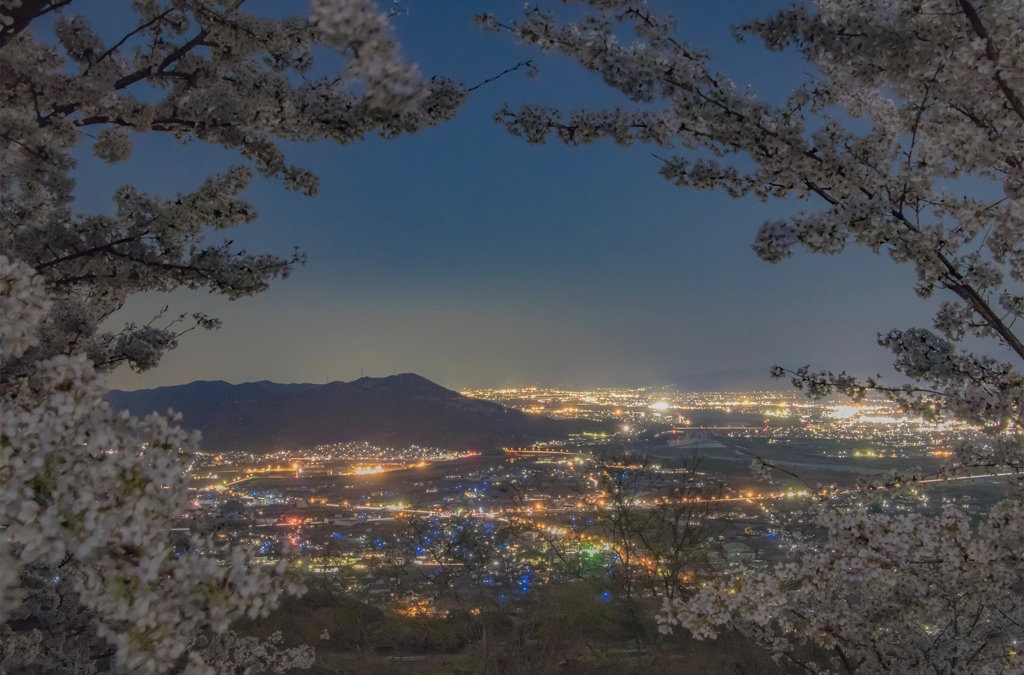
[(392, 411)]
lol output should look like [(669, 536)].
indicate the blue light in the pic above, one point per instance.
[(606, 596)]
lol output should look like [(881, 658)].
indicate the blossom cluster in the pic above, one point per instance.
[(233, 653), (92, 495), (363, 30), (908, 593)]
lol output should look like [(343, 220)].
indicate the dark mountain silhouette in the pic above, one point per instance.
[(394, 411)]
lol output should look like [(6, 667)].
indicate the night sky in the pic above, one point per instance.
[(467, 256)]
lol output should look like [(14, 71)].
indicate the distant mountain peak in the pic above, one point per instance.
[(394, 411)]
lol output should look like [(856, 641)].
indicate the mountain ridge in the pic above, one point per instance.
[(398, 410)]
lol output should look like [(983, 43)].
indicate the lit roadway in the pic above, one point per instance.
[(524, 451)]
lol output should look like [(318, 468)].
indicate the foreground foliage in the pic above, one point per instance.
[(906, 137), (86, 496)]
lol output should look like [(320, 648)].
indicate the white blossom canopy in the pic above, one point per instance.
[(906, 137), (86, 495)]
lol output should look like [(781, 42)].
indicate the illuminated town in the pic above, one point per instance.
[(393, 523)]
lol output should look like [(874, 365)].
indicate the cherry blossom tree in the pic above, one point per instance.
[(906, 137), (87, 496)]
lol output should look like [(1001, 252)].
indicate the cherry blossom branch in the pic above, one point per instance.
[(993, 55), (141, 27), (40, 267), (175, 55), (21, 16), (521, 64)]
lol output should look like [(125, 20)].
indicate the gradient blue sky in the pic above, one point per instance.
[(474, 259)]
